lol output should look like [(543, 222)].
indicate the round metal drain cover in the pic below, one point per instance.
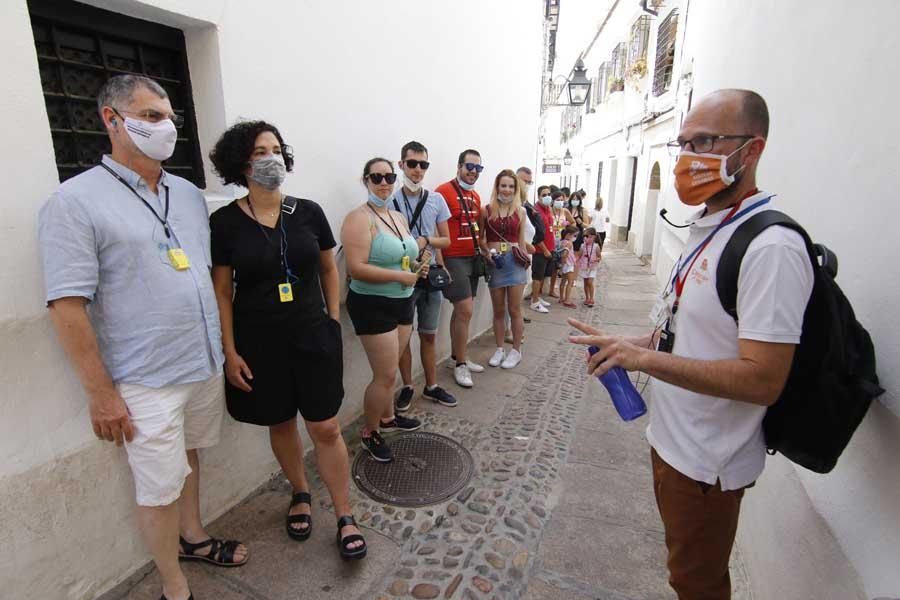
[(427, 468)]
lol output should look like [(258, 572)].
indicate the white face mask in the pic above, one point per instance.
[(558, 204), (411, 185), (547, 200), (464, 185), (576, 203), (504, 199), (154, 140)]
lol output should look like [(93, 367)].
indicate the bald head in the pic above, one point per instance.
[(743, 109)]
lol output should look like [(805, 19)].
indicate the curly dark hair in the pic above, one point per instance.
[(231, 155)]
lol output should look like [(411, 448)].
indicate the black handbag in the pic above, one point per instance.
[(480, 266), (438, 278)]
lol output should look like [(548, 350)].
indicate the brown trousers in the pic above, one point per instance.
[(700, 522)]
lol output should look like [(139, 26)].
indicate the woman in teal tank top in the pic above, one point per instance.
[(384, 265)]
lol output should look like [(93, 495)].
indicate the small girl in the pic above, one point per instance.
[(588, 259), (567, 265)]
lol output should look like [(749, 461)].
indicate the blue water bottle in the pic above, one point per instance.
[(625, 397)]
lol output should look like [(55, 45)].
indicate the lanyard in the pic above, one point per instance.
[(733, 215), (164, 219), (410, 214), (395, 229), (282, 242)]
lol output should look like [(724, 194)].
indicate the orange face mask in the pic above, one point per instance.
[(699, 177)]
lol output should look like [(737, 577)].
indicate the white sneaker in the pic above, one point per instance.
[(497, 358), (543, 302), (512, 359), (474, 367), (538, 307), (462, 376)]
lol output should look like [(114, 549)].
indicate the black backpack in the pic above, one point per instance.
[(832, 380)]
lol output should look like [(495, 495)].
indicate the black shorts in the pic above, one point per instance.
[(541, 266), (372, 314), (293, 371)]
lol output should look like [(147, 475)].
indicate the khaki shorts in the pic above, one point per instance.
[(167, 422)]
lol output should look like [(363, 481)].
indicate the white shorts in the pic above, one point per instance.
[(167, 422), (566, 269), (589, 274)]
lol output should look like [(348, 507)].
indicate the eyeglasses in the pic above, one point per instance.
[(474, 167), (412, 164), (377, 178), (153, 116), (702, 143)]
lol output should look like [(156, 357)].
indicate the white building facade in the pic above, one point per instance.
[(344, 81), (825, 71)]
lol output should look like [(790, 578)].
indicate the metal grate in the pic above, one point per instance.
[(665, 53), (427, 469), (640, 36), (617, 61), (79, 47), (602, 87)]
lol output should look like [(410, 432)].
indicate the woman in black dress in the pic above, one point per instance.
[(273, 262)]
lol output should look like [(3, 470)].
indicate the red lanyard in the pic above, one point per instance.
[(680, 281)]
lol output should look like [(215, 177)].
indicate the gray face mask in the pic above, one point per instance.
[(268, 171)]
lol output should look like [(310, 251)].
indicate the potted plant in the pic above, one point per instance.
[(637, 70), (616, 84)]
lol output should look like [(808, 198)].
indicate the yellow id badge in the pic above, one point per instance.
[(179, 259), (404, 263), (504, 247), (475, 226), (285, 292)]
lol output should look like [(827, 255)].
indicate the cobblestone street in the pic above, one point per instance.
[(560, 506)]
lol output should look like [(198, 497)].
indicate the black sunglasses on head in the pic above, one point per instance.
[(377, 178), (413, 163)]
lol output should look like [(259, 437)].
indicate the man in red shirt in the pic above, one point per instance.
[(459, 259)]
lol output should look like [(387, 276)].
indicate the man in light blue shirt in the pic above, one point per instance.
[(126, 259), (429, 227)]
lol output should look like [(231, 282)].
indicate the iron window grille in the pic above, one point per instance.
[(617, 61), (79, 48), (665, 53), (640, 38), (599, 179), (602, 88)]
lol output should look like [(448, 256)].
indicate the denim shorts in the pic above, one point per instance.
[(428, 309)]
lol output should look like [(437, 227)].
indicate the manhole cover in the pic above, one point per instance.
[(427, 468)]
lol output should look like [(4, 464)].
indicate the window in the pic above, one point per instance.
[(79, 47), (617, 61), (665, 53), (602, 87), (640, 36), (599, 180)]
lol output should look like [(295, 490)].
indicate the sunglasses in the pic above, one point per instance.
[(474, 167), (377, 178), (412, 164)]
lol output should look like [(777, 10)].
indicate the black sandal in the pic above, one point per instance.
[(220, 554), (348, 553), (299, 534), (163, 597)]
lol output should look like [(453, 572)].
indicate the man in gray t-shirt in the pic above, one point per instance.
[(429, 227), (126, 257)]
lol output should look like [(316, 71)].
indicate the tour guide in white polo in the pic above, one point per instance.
[(127, 271), (713, 376)]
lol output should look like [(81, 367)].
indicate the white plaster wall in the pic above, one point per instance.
[(341, 90), (828, 76)]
